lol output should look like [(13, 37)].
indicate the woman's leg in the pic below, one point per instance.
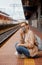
[(23, 50)]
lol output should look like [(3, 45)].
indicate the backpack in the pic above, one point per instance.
[(39, 42)]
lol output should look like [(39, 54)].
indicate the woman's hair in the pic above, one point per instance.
[(24, 23)]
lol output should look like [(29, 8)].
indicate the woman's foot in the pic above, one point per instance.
[(20, 55)]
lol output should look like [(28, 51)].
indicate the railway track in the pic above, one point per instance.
[(8, 33), (4, 28)]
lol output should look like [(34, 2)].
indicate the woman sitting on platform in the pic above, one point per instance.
[(27, 46)]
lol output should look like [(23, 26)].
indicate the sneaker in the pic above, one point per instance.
[(20, 55), (17, 54)]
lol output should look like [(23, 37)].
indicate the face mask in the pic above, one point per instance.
[(23, 28)]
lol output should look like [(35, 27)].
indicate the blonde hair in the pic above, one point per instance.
[(24, 23)]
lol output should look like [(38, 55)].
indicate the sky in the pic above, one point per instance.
[(13, 8)]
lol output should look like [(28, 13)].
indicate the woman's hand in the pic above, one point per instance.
[(18, 44)]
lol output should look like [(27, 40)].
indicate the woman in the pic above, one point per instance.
[(27, 45)]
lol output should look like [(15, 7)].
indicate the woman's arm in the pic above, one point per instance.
[(21, 37), (27, 45), (30, 42)]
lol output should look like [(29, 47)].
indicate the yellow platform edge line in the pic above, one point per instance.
[(29, 62)]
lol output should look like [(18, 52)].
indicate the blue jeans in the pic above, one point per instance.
[(22, 50)]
